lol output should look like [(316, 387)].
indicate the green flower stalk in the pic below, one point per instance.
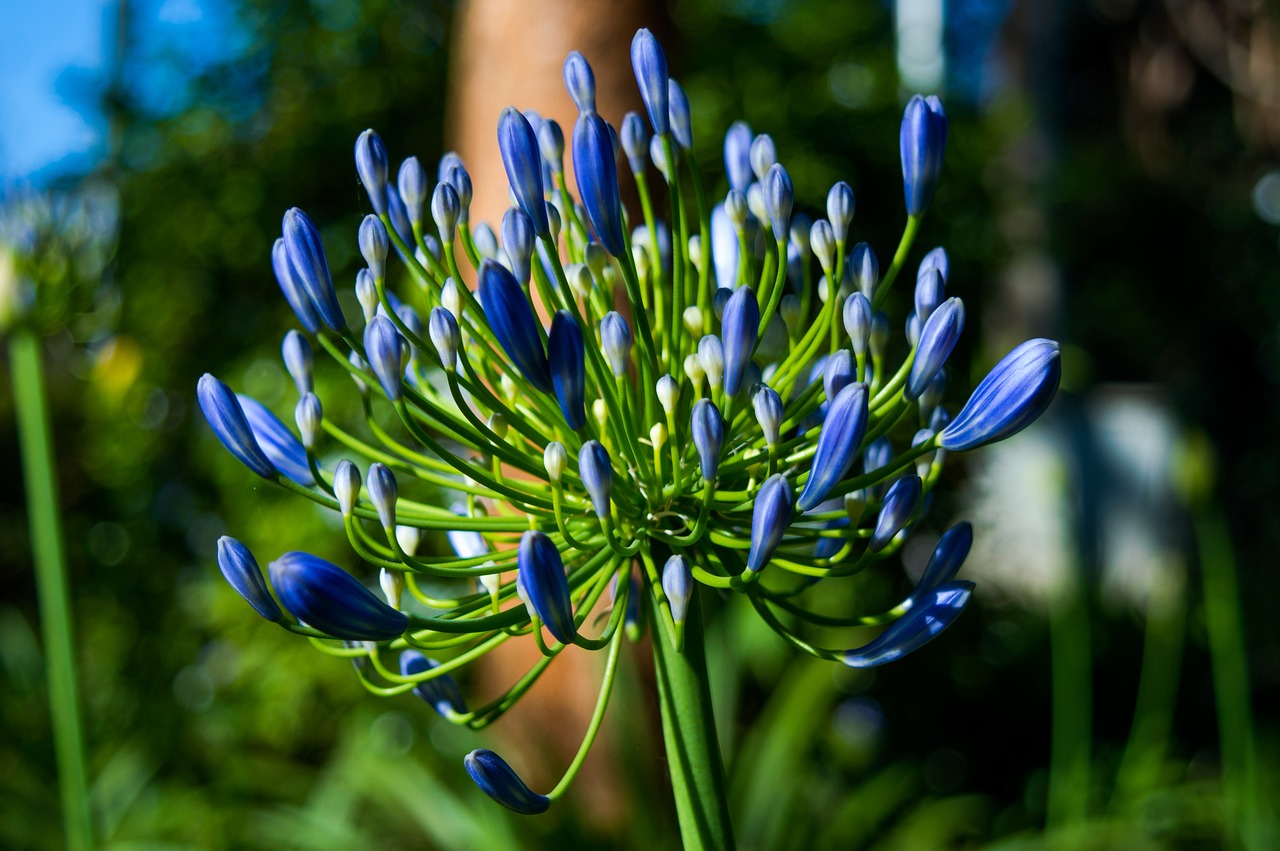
[(668, 434)]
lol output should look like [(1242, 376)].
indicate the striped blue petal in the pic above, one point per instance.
[(440, 692), (542, 574), (326, 597), (566, 356), (311, 267), (1010, 398), (280, 444), (500, 782), (738, 334), (242, 573), (596, 171), (520, 157), (838, 444), (225, 416), (937, 338), (770, 517), (937, 611), (510, 316)]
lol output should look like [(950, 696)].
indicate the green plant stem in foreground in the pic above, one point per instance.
[(689, 731), (36, 446)]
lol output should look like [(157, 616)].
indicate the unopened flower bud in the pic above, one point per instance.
[(930, 614), (382, 347), (451, 299), (635, 141), (768, 408), (930, 291), (566, 355), (309, 414), (412, 182), (371, 165), (763, 155), (822, 239), (681, 127), (500, 782), (658, 153), (367, 294), (677, 584), (923, 139), (242, 573), (383, 492), (650, 66), (392, 581), (739, 332), (326, 597), (597, 475), (692, 318), (511, 318), (658, 435), (840, 206), (737, 208), (900, 504), (615, 342), (580, 81), (838, 444), (1010, 398), (668, 393), (445, 211), (878, 340), (938, 337), (693, 369), (770, 518), (707, 427), (374, 245), (555, 458), (296, 353), (711, 356), (310, 267)]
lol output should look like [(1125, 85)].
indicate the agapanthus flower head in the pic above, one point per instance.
[(578, 429)]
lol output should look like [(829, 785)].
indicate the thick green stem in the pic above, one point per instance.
[(689, 731), (51, 582), (1072, 670)]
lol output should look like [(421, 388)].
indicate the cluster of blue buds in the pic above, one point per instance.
[(614, 403)]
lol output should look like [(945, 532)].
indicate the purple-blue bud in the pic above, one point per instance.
[(517, 242), (326, 597), (947, 559), (615, 342), (922, 140), (677, 584), (900, 503), (412, 181), (596, 472), (838, 444), (857, 321), (930, 291), (737, 155), (497, 780), (666, 165), (635, 141), (292, 288), (770, 517), (681, 126), (383, 491), (939, 419), (707, 427), (838, 372), (878, 341), (551, 146), (937, 259), (447, 163), (724, 248), (519, 147), (769, 412), (460, 180), (510, 316), (596, 171), (738, 333), (309, 415), (242, 573), (542, 575), (374, 245), (440, 692), (937, 338), (296, 354), (346, 486), (929, 617), (778, 198), (382, 351), (840, 207), (399, 216), (580, 81), (865, 269), (763, 156), (371, 165), (311, 267), (444, 333), (225, 416), (1009, 399), (650, 66), (445, 211), (566, 356)]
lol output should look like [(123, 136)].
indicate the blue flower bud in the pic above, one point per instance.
[(677, 584), (309, 414), (857, 321), (445, 211), (937, 259), (930, 291), (383, 493), (367, 295), (707, 427), (939, 419), (510, 316), (635, 141), (900, 503), (242, 573), (838, 444), (922, 141), (382, 350), (768, 408), (443, 329), (937, 338), (737, 155), (724, 248), (650, 66), (666, 165), (865, 269), (519, 147), (292, 288), (933, 392), (763, 156), (296, 353), (311, 268), (412, 181), (912, 329), (878, 341), (1009, 399), (822, 239), (580, 81), (497, 780), (566, 355), (447, 163), (225, 416), (778, 198), (947, 559), (738, 331), (440, 692), (399, 216), (596, 172), (711, 357), (460, 180), (937, 611), (840, 207), (371, 165), (542, 575), (374, 245), (346, 486), (615, 342), (681, 126), (326, 597), (596, 472), (551, 146), (770, 517)]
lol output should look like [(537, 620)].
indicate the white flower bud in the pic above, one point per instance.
[(554, 458), (346, 486), (692, 317), (668, 393), (451, 298), (409, 538), (693, 369), (392, 582)]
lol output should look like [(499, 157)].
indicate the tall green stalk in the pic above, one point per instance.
[(689, 731), (1072, 671), (36, 444)]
